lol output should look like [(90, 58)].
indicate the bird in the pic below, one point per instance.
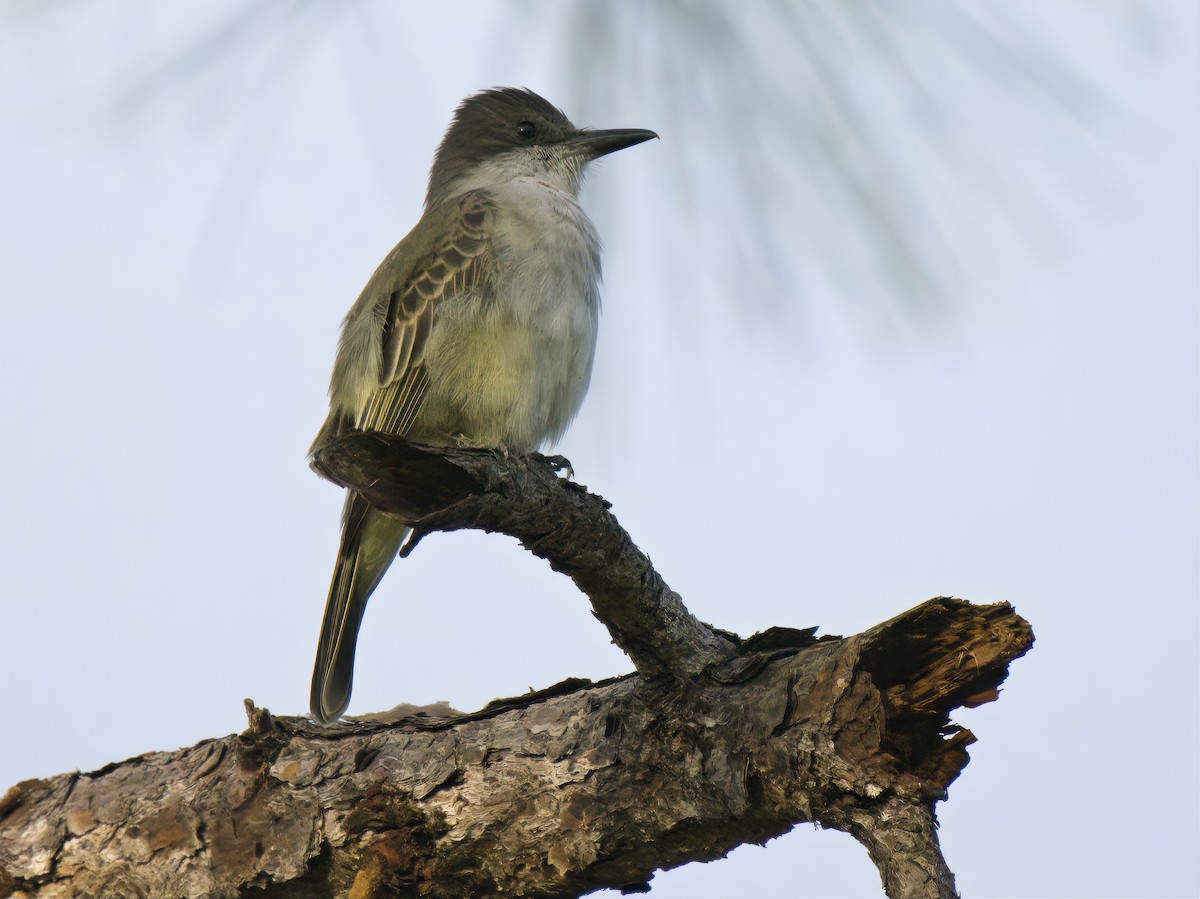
[(478, 329)]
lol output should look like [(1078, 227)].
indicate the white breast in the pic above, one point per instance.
[(514, 367)]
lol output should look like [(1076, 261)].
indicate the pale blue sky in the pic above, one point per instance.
[(176, 266)]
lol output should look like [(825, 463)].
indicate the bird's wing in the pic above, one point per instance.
[(448, 256), (458, 263)]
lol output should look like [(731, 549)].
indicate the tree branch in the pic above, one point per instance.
[(555, 519), (556, 793)]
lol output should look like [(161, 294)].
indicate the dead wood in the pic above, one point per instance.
[(715, 741)]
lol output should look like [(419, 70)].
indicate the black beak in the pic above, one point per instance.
[(600, 143)]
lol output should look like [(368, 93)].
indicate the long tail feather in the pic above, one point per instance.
[(370, 541)]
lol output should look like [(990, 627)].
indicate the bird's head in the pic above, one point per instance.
[(506, 133)]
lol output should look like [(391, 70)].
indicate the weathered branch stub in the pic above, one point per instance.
[(714, 742)]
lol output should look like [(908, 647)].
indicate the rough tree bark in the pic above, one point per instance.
[(715, 741)]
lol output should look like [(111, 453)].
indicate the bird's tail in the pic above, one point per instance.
[(370, 541)]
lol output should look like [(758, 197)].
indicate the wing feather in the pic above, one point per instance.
[(459, 262)]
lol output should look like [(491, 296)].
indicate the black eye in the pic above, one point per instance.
[(525, 130)]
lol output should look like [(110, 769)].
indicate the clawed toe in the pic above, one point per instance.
[(560, 463)]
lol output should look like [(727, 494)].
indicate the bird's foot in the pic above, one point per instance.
[(502, 451), (462, 441), (559, 463)]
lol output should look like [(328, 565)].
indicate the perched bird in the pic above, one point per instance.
[(478, 329)]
